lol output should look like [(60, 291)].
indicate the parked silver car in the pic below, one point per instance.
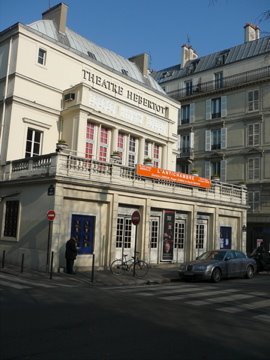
[(215, 265)]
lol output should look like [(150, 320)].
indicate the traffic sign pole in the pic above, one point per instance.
[(50, 216), (135, 219)]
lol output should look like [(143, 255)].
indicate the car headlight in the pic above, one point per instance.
[(199, 267)]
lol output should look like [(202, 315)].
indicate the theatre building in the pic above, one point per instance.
[(91, 138)]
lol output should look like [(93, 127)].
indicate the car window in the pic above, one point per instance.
[(230, 255), (240, 255)]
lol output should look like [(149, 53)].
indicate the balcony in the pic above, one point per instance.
[(230, 82), (104, 174)]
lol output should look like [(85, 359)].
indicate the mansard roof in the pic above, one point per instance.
[(95, 53), (234, 54)]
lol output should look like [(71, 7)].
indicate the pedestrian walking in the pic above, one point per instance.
[(71, 254)]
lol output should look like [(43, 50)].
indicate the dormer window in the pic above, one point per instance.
[(124, 72), (91, 55), (221, 58)]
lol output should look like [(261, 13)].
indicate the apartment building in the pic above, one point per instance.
[(78, 125), (224, 124)]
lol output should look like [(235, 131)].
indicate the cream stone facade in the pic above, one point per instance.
[(76, 120)]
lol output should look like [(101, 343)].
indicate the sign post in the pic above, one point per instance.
[(50, 216), (135, 219)]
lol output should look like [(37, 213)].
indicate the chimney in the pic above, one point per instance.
[(252, 32), (58, 14), (142, 61), (187, 54)]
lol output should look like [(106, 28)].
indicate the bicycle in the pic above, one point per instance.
[(119, 266)]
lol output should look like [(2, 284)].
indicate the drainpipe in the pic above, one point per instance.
[(4, 100)]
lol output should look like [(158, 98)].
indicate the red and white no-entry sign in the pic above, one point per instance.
[(135, 217), (50, 215)]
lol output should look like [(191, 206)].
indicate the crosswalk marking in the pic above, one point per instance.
[(221, 299), (175, 291), (198, 294), (22, 281), (13, 285)]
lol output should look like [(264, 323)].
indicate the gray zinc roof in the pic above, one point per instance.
[(94, 52), (237, 53)]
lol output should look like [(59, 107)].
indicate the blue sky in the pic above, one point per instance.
[(157, 27)]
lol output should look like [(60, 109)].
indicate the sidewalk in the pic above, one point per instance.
[(157, 274)]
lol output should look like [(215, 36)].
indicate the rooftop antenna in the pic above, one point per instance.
[(188, 39), (49, 4)]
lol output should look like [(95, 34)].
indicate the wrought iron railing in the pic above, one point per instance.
[(233, 81)]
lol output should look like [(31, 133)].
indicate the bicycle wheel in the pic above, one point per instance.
[(117, 267), (141, 268)]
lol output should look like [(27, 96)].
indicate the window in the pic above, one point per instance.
[(33, 143), (253, 134), (254, 169), (42, 54), (188, 87), (154, 233), (185, 144), (215, 168), (185, 114), (219, 80), (216, 108), (179, 232), (254, 200), (132, 149), (11, 218), (200, 236), (103, 147), (253, 100), (123, 232), (215, 139), (90, 131), (156, 155)]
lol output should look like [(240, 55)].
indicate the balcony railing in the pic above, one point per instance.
[(233, 81), (106, 173)]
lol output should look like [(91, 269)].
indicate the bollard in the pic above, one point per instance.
[(22, 263), (93, 268), (51, 267), (3, 258)]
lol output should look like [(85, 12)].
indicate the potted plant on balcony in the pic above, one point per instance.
[(215, 177), (148, 161), (194, 172), (61, 145), (116, 155)]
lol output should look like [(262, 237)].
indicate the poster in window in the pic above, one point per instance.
[(225, 237), (168, 235), (83, 230)]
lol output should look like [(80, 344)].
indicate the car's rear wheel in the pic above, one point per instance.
[(216, 275), (250, 272)]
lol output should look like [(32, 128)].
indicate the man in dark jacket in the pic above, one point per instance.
[(71, 253)]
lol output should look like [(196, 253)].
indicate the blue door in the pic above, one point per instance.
[(83, 230)]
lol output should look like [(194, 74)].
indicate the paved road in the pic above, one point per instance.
[(184, 320)]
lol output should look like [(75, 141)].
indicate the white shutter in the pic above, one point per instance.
[(179, 143), (223, 106), (208, 113), (223, 170), (192, 112), (191, 140), (207, 140), (207, 169), (223, 138)]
